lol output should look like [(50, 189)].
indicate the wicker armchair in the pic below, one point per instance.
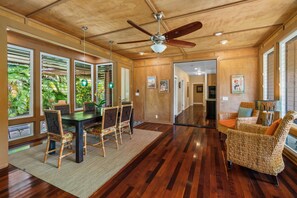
[(234, 121), (251, 148)]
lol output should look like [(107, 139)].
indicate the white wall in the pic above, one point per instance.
[(181, 75), (196, 80)]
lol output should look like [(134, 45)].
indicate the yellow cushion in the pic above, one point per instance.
[(230, 123), (273, 127)]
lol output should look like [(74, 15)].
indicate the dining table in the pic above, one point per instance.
[(79, 119)]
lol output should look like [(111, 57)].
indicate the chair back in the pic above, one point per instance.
[(126, 111), (54, 121), (283, 129), (89, 107), (109, 118), (64, 108), (251, 105)]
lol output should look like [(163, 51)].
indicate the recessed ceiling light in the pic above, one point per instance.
[(218, 33), (141, 53), (196, 68), (223, 42)]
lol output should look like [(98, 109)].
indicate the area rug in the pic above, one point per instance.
[(82, 179)]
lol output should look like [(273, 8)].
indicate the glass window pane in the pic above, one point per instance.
[(20, 78), (268, 75), (20, 131), (125, 84), (55, 80), (103, 79), (83, 83)]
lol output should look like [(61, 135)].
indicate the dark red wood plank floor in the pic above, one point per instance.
[(183, 162)]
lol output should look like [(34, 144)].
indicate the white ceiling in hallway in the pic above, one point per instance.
[(198, 67)]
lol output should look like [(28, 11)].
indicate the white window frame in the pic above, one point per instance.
[(68, 77), (92, 81), (31, 110), (124, 71), (265, 74), (282, 68)]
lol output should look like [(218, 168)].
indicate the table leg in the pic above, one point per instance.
[(131, 121), (79, 142), (52, 146)]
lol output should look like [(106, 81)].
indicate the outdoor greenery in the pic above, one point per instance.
[(18, 90), (54, 88), (82, 94)]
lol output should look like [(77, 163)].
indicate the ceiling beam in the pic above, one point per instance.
[(155, 10), (45, 8)]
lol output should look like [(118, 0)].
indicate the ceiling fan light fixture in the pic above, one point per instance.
[(158, 47)]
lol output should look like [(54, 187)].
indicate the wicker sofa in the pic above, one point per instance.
[(250, 147), (235, 120)]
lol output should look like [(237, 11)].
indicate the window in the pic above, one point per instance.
[(20, 82), (54, 80), (103, 80), (125, 84), (20, 131), (83, 93), (268, 75), (288, 82)]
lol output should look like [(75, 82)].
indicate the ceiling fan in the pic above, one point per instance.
[(168, 38)]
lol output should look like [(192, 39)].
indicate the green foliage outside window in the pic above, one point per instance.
[(18, 90), (54, 88), (82, 94)]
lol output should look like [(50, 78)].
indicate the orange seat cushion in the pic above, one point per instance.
[(230, 123), (273, 127)]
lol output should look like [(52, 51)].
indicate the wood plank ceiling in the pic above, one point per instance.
[(245, 23)]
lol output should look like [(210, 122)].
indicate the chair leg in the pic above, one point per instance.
[(46, 150), (102, 143), (275, 180), (120, 132), (229, 165), (60, 155), (116, 139), (130, 132)]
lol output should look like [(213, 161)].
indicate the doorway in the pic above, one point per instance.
[(191, 95)]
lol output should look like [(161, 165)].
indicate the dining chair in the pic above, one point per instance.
[(107, 127), (57, 134), (89, 107), (124, 121), (65, 110)]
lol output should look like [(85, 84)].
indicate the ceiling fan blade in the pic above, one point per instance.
[(179, 43), (183, 30), (134, 41), (139, 28)]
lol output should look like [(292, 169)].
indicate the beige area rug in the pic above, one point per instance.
[(82, 179)]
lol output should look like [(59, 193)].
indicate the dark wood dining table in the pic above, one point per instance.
[(79, 119)]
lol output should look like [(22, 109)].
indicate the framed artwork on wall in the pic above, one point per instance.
[(164, 86), (237, 84), (199, 89), (151, 82)]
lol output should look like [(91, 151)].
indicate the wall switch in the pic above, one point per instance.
[(157, 116), (225, 98), (137, 94)]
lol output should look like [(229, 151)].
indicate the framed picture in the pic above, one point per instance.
[(199, 89), (237, 84), (164, 86), (151, 82)]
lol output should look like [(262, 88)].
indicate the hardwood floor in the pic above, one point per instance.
[(194, 116), (183, 162)]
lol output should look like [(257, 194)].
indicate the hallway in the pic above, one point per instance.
[(195, 115)]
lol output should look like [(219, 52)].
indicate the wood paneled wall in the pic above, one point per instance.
[(151, 103)]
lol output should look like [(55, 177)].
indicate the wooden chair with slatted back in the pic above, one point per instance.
[(57, 134), (108, 127), (124, 122)]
